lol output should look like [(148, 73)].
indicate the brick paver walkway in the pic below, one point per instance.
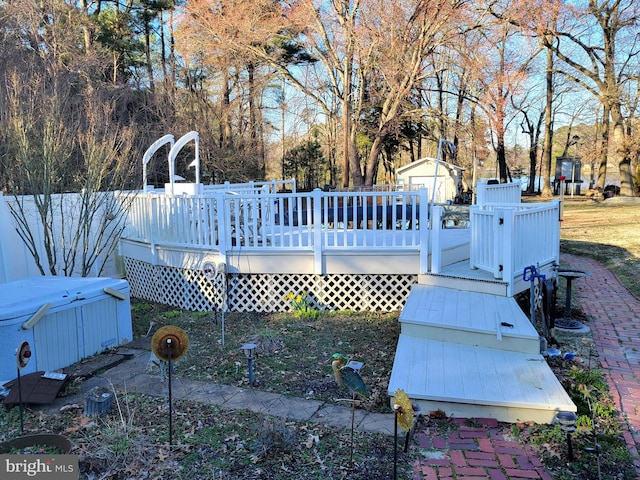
[(614, 317), (485, 451), (476, 452)]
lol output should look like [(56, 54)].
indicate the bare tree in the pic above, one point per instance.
[(62, 133), (603, 64), (66, 233), (499, 67), (366, 54)]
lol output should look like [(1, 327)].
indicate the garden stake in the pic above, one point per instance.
[(20, 401), (395, 442), (353, 411), (23, 354), (169, 344), (170, 404)]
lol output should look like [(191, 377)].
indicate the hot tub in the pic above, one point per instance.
[(64, 319)]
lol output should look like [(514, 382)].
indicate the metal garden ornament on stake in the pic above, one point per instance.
[(403, 417), (23, 354), (346, 374), (169, 344)]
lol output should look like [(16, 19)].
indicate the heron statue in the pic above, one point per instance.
[(346, 375)]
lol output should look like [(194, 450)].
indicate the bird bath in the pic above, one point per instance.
[(567, 323)]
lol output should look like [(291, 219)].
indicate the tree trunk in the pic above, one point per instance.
[(354, 160), (225, 123), (346, 122), (604, 147), (548, 129), (622, 153), (147, 45)]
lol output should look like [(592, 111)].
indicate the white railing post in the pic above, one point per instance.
[(224, 228), (424, 233), (481, 193), (556, 230), (316, 231), (152, 210), (499, 247), (436, 247), (508, 250), (473, 248)]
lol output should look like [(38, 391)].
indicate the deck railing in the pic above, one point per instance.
[(272, 186), (229, 220), (499, 193), (507, 238)]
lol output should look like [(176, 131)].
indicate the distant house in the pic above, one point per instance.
[(421, 174)]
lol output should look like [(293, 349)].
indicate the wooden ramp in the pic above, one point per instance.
[(474, 354)]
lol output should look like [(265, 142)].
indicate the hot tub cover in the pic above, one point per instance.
[(25, 296)]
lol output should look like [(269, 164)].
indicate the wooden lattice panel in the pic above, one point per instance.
[(193, 290)]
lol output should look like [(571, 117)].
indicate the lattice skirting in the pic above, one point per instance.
[(193, 290)]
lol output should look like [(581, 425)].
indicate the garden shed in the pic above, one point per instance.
[(421, 173)]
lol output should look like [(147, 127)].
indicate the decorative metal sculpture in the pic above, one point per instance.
[(404, 416), (346, 374), (170, 343), (23, 355)]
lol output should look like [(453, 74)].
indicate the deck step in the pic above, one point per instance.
[(468, 317), (471, 382), (461, 276)]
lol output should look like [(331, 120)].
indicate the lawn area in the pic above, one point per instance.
[(293, 353), (605, 231)]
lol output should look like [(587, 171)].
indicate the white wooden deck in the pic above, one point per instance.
[(466, 317), (456, 355)]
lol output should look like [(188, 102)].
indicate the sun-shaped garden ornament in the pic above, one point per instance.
[(169, 342), (404, 410), (403, 416)]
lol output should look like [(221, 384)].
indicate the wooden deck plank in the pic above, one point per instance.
[(449, 302), (463, 310), (463, 374), (414, 368)]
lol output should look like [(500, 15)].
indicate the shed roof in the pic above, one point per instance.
[(425, 161)]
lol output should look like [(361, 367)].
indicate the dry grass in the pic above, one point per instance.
[(605, 231)]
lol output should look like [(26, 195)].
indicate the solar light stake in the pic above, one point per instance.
[(249, 350), (567, 421)]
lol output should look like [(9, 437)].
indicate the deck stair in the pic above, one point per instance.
[(460, 276), (473, 354)]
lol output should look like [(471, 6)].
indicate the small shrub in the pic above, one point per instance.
[(274, 437)]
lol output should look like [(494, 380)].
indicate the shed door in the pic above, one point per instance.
[(427, 182)]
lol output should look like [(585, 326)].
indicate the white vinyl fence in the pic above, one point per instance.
[(16, 261)]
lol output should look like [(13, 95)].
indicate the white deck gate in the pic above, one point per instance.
[(507, 238)]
